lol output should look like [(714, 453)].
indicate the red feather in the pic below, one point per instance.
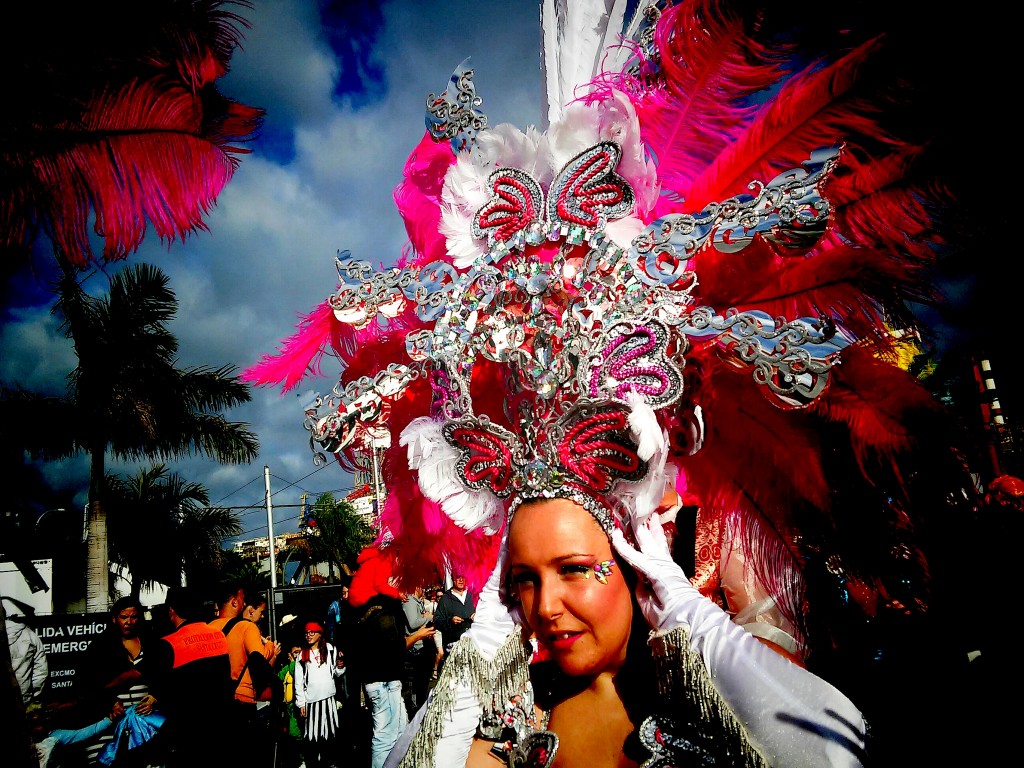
[(806, 114), (707, 72), (132, 129)]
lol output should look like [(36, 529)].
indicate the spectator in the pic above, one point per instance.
[(112, 678), (455, 612), (190, 675), (339, 621), (244, 637), (377, 649), (420, 656), (28, 655), (435, 595), (336, 613), (230, 602), (290, 736), (315, 673)]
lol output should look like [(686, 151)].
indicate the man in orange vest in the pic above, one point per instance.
[(191, 678)]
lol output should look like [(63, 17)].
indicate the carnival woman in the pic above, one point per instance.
[(693, 280), (699, 688)]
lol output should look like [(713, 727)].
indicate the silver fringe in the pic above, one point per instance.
[(493, 682), (681, 673)]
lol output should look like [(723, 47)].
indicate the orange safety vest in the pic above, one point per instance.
[(196, 641)]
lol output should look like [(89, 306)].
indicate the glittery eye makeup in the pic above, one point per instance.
[(603, 570)]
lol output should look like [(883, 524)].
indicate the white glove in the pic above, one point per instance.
[(492, 625), (793, 717), (452, 748)]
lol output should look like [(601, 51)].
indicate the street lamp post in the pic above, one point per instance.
[(379, 438), (273, 559)]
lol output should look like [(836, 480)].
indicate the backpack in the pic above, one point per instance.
[(289, 687)]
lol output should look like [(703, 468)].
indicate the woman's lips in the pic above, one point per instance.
[(561, 641)]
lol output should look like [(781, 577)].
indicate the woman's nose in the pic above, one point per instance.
[(549, 600)]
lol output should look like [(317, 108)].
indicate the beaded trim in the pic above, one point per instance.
[(601, 513)]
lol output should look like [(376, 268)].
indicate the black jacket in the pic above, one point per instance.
[(448, 607)]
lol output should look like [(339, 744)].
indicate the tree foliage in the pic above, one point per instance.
[(161, 528), (339, 535), (127, 396)]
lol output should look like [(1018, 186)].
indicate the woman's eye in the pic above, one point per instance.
[(526, 577), (577, 569)]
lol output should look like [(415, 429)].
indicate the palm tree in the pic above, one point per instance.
[(201, 536), (127, 397), (113, 116), (234, 567), (339, 535), (182, 534)]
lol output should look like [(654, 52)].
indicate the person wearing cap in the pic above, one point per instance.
[(316, 670)]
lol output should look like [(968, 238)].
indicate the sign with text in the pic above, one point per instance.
[(66, 637)]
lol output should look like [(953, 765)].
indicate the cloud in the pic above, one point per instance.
[(344, 91), (36, 355)]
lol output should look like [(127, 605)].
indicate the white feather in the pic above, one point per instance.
[(641, 500), (644, 426), (574, 36), (434, 460)]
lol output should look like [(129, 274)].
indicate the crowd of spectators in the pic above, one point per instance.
[(172, 685)]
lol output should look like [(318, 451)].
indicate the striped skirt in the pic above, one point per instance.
[(321, 720)]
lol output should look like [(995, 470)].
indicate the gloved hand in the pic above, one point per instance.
[(664, 590), (793, 717)]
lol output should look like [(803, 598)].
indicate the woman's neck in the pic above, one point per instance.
[(592, 726), (132, 644)]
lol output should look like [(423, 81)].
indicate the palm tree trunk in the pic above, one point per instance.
[(97, 568)]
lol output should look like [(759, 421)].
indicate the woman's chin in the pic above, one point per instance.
[(575, 664)]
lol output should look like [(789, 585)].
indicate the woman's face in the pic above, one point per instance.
[(127, 621), (554, 546)]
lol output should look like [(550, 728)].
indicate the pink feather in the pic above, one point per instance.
[(418, 197), (299, 355)]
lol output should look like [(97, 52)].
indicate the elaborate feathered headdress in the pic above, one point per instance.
[(693, 280)]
